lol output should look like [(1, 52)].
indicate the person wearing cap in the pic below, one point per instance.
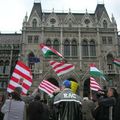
[(68, 103), (14, 108)]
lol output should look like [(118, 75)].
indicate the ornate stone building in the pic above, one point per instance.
[(10, 46), (82, 38)]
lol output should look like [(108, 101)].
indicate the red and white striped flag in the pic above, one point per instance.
[(61, 67), (94, 85), (21, 77), (48, 87)]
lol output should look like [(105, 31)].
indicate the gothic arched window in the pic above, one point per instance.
[(48, 43), (92, 48), (1, 66), (66, 48), (6, 67), (110, 61), (31, 64), (56, 45), (34, 23), (84, 48), (74, 48), (105, 24)]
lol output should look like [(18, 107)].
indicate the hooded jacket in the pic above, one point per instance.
[(69, 105)]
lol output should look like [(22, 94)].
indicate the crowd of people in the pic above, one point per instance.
[(64, 105)]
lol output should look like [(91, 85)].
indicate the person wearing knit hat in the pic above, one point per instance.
[(66, 101), (67, 83)]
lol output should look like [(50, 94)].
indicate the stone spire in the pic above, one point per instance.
[(113, 20), (25, 20)]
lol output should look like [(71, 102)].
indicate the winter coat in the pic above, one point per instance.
[(117, 109), (38, 111), (87, 109), (1, 114), (102, 111), (13, 110), (69, 105)]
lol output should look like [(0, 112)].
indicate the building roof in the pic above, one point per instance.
[(99, 11), (10, 38), (78, 16), (37, 7)]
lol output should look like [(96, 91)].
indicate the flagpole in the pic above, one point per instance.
[(44, 76), (11, 55), (60, 80), (76, 75), (47, 73), (85, 74), (10, 66)]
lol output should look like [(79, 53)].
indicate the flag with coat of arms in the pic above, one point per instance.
[(21, 77)]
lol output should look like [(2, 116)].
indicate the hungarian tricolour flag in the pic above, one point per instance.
[(116, 62), (61, 68), (95, 72), (21, 77), (48, 87), (47, 51)]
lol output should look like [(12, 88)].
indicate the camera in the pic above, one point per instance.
[(101, 94)]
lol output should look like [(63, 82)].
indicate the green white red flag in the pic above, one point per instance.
[(116, 62), (95, 72), (47, 51)]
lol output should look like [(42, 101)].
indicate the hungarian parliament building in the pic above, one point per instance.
[(82, 38)]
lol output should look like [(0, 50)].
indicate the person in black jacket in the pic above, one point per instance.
[(68, 104), (106, 106), (1, 104), (37, 110), (53, 109), (117, 109)]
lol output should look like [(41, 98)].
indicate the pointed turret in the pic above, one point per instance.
[(113, 20), (37, 7), (25, 21), (99, 11)]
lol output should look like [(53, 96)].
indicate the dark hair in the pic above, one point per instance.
[(16, 96), (115, 94), (2, 99), (18, 90), (37, 97)]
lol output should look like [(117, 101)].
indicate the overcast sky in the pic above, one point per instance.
[(12, 12)]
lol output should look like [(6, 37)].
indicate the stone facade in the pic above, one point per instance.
[(82, 38), (10, 47)]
